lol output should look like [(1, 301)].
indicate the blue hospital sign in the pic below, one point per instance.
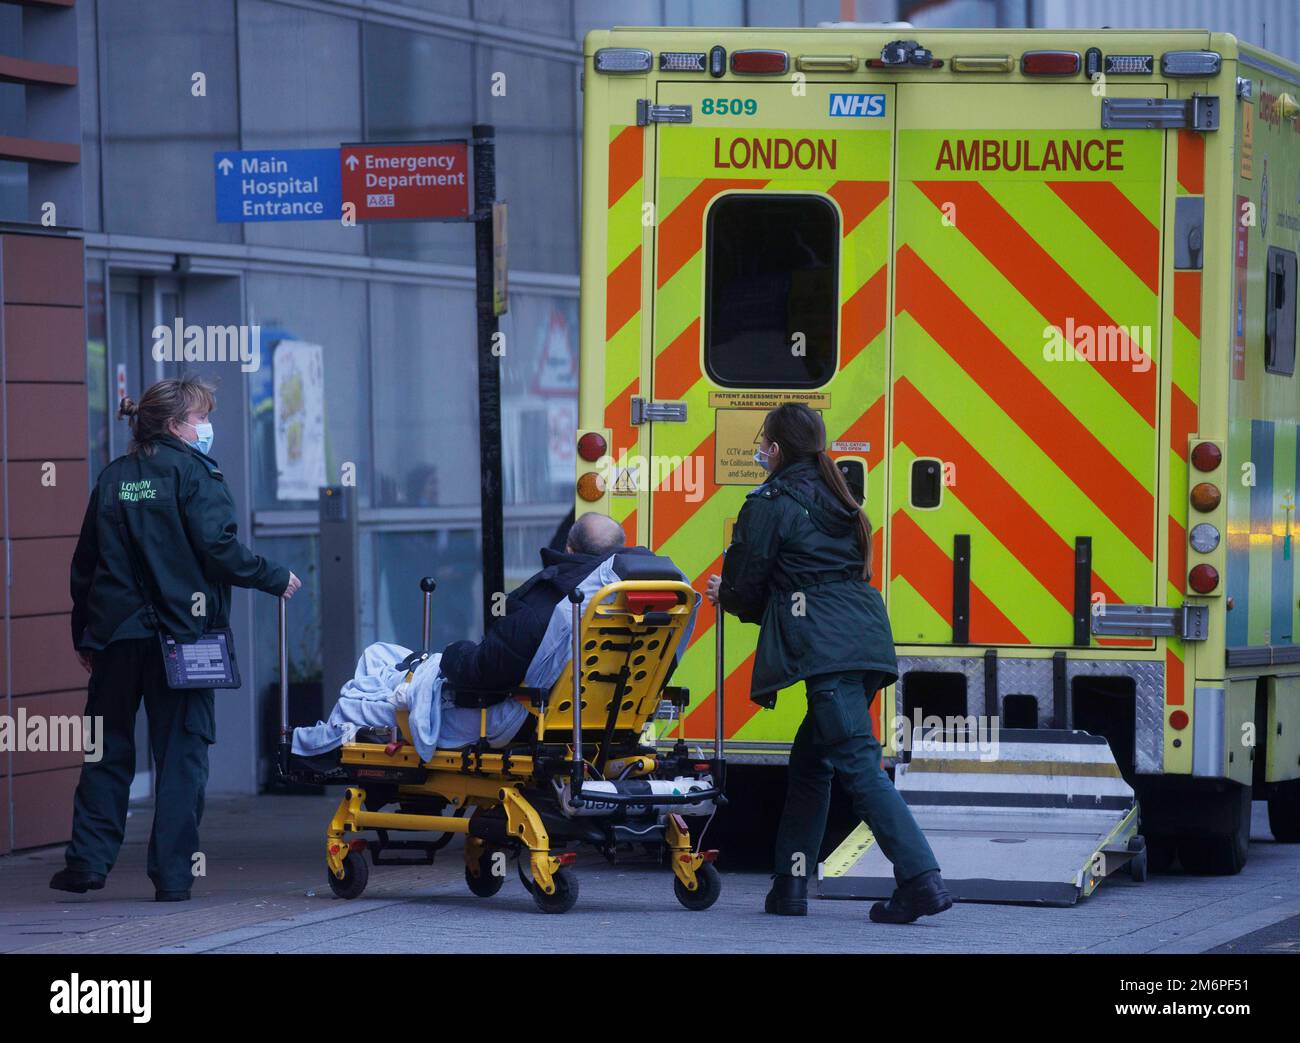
[(278, 185)]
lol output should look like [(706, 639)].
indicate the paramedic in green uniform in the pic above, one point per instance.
[(799, 565), (161, 517)]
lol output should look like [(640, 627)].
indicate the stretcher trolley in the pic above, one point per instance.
[(583, 777)]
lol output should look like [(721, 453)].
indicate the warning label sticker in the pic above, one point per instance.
[(768, 399), (736, 436)]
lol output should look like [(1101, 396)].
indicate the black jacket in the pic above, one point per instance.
[(177, 512), (501, 660), (795, 568)]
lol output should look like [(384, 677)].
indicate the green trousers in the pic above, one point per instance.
[(835, 739), (182, 724)]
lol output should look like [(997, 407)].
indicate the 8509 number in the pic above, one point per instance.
[(728, 107)]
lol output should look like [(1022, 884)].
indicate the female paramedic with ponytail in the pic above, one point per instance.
[(158, 553), (799, 565)]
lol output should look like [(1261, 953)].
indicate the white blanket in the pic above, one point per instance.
[(378, 690)]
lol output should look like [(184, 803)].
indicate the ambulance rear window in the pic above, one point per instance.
[(770, 295)]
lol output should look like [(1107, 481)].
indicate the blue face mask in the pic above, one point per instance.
[(764, 460), (203, 436)]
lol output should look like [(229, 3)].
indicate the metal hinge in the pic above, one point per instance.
[(1199, 112), (648, 113), (659, 412), (1189, 622)]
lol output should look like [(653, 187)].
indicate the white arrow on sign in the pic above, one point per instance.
[(352, 162), (225, 166)]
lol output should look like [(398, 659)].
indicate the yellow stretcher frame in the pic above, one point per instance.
[(481, 780)]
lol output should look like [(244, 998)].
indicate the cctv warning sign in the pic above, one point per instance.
[(407, 182)]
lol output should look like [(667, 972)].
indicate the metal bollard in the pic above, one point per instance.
[(578, 765), (428, 585)]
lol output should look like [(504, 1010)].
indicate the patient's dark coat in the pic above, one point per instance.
[(501, 659)]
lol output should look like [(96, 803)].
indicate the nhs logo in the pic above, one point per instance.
[(857, 104)]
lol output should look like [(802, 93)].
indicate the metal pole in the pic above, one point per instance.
[(578, 765), (283, 638), (720, 681), (489, 372), (428, 585)]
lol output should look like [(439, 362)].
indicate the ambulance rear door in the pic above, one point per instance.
[(1026, 393), (770, 284)]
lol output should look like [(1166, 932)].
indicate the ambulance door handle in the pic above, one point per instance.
[(657, 412), (647, 112)]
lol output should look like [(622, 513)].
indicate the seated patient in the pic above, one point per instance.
[(500, 661), (367, 705)]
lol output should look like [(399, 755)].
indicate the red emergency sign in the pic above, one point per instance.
[(427, 181)]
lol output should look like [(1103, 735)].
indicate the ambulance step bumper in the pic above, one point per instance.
[(1041, 820)]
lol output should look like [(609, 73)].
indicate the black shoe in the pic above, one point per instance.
[(77, 881), (171, 896), (924, 895), (788, 897)]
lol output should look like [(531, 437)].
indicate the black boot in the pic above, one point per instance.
[(77, 881), (924, 895), (788, 897)]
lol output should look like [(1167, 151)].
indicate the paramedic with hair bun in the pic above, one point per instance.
[(799, 565), (159, 538)]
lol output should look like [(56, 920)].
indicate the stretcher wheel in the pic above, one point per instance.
[(709, 883), (356, 874), (487, 883), (566, 893), (1138, 865)]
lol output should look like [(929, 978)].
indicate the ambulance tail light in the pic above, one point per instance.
[(1203, 578), (1178, 720), (1206, 456), (1206, 497), (1190, 63), (591, 486), (1049, 63), (1204, 538), (760, 63), (682, 61), (592, 446), (623, 59)]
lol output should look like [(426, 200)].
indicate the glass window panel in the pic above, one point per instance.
[(300, 87), (99, 390), (332, 313), (158, 136), (523, 548), (605, 14), (539, 399), (555, 19), (771, 277), (451, 557), (88, 86), (537, 162), (426, 396), (418, 88), (456, 8)]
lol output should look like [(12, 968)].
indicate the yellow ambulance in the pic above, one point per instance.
[(1041, 286)]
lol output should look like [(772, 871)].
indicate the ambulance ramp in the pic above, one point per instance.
[(1040, 818)]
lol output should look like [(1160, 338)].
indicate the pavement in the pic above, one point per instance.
[(265, 891)]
